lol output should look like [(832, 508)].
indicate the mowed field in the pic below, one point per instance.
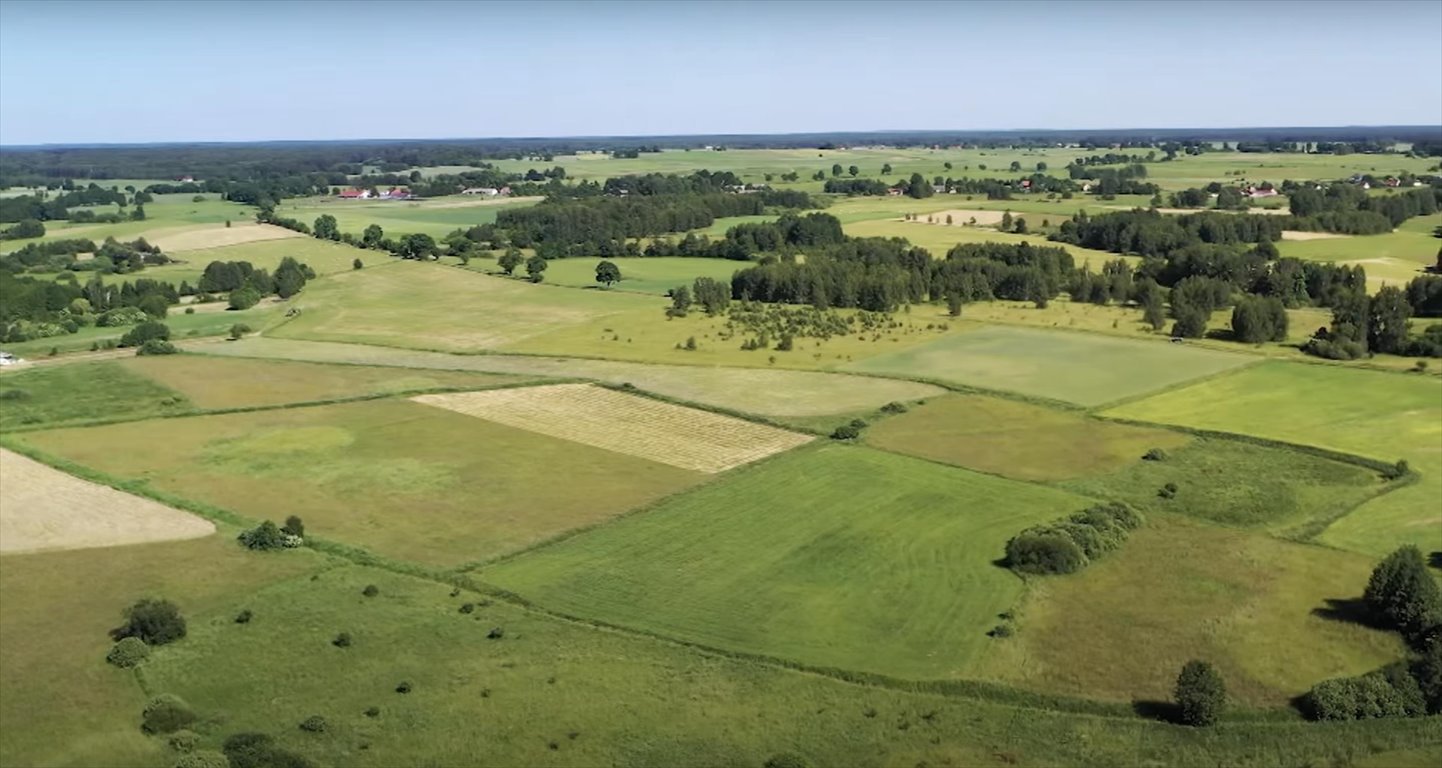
[(639, 275), (397, 218), (630, 424), (1393, 258), (43, 509), (774, 393), (1076, 368), (404, 480), (832, 556), (428, 306), (1386, 416)]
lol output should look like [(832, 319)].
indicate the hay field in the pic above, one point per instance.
[(835, 556), (1386, 416), (639, 274), (404, 480), (1292, 234), (764, 392), (45, 509), (212, 236), (1017, 440), (939, 238), (429, 306), (1086, 369), (398, 218), (636, 426)]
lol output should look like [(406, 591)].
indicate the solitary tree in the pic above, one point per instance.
[(1201, 694), (836, 169), (156, 622), (853, 171), (535, 268), (372, 236), (509, 260), (1015, 166), (886, 169), (1006, 221), (1402, 594), (326, 228), (607, 273)]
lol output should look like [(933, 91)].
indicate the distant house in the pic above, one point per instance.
[(1265, 190), (395, 193), (355, 194), (482, 191), (186, 179), (895, 191), (939, 189), (1026, 184)]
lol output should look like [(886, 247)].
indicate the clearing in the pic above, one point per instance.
[(44, 509), (638, 275), (835, 556), (212, 236), (1292, 234), (1080, 368), (636, 426)]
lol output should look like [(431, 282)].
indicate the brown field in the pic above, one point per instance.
[(216, 236), (636, 426), (1292, 234), (45, 509)]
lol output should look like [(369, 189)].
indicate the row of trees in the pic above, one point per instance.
[(1068, 545)]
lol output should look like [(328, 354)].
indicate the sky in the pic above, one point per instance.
[(156, 70)]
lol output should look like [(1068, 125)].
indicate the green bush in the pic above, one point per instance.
[(244, 616), (1427, 671), (845, 432), (1155, 454), (1068, 545), (128, 652), (184, 741), (121, 316), (257, 750), (371, 590), (1401, 594), (893, 407), (14, 394), (203, 759), (238, 330), (1044, 550), (1389, 692), (265, 536), (1201, 694), (150, 329), (156, 622), (244, 297), (293, 526), (341, 640), (166, 713), (786, 760), (156, 347), (313, 724)]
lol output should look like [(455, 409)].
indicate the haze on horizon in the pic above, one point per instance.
[(147, 71)]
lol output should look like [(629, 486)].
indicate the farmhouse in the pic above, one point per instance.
[(395, 193), (482, 191), (355, 194)]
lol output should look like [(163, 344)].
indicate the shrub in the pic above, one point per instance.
[(190, 310), (1388, 692), (119, 316), (371, 590), (128, 652), (155, 622), (244, 298), (166, 713), (1397, 471), (293, 526), (156, 347), (1200, 694), (14, 394), (1427, 671), (1000, 630), (893, 407), (1168, 491), (313, 724), (1044, 550), (150, 329), (184, 741), (238, 330), (496, 633), (404, 687), (786, 760), (1403, 595), (1155, 454), (265, 536), (373, 712), (243, 617), (357, 264), (468, 608), (845, 432), (341, 640), (1066, 546), (205, 758), (257, 750)]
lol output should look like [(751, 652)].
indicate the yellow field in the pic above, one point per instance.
[(217, 236), (636, 426), (45, 509)]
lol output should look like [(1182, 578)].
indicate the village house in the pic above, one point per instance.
[(355, 194)]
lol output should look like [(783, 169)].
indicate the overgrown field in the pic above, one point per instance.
[(834, 556), (1071, 367), (1386, 416), (405, 480)]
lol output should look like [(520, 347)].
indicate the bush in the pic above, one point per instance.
[(166, 713), (496, 633), (341, 640), (1201, 694), (373, 712), (1388, 692), (786, 760), (1155, 454), (1397, 471), (244, 298), (357, 264), (404, 687), (1427, 671), (156, 347), (1066, 546), (154, 305), (238, 330), (293, 526), (1168, 491), (243, 617), (120, 316), (371, 590), (265, 536), (190, 310), (155, 622), (257, 750), (14, 394), (313, 724), (893, 407), (184, 741), (845, 432), (128, 652), (144, 332), (205, 758), (1044, 550), (1401, 594)]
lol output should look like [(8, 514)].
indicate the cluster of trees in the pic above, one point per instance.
[(269, 536), (37, 309), (1401, 595), (1348, 209), (247, 285), (1363, 324), (1069, 545), (43, 207), (25, 229)]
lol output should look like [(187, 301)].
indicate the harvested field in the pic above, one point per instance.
[(45, 509), (1292, 234), (962, 217), (217, 235), (636, 426)]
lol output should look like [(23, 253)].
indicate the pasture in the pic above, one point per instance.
[(437, 217), (834, 556), (624, 423), (53, 395), (1084, 369), (45, 509), (1385, 416), (404, 480), (772, 393), (639, 275)]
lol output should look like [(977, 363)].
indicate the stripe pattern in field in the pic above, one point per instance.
[(45, 509), (637, 426)]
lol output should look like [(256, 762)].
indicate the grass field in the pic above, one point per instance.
[(215, 382), (397, 218), (1077, 368), (639, 275), (682, 437), (427, 306), (1017, 440), (1385, 416), (404, 480), (82, 392), (835, 556), (45, 509), (1393, 258), (182, 326), (773, 393), (939, 238), (1255, 606)]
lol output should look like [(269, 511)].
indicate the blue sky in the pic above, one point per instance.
[(225, 71)]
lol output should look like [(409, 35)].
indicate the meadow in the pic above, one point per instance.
[(437, 218), (639, 275), (1075, 368), (833, 556)]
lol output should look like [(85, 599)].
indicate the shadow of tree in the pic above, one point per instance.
[(1435, 559), (1164, 711), (1347, 611)]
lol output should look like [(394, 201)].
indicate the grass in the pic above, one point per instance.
[(1253, 605), (834, 556), (397, 218), (1017, 440), (213, 383), (1384, 416), (940, 238), (1393, 258), (772, 393), (640, 275), (1077, 368), (64, 393), (199, 324), (404, 480), (63, 705), (428, 306)]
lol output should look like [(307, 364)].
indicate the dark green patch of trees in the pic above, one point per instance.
[(1069, 545)]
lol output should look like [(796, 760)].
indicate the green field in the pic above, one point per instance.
[(405, 480), (1076, 368), (82, 392), (397, 218), (1385, 416), (639, 275), (834, 556), (210, 320)]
